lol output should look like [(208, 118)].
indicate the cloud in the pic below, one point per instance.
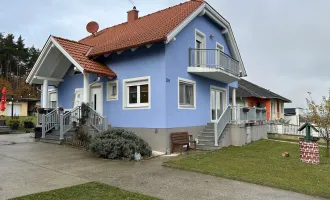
[(284, 44)]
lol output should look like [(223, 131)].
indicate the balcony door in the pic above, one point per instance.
[(218, 55), (200, 45), (218, 102)]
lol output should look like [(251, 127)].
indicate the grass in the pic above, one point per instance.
[(261, 163), (93, 190)]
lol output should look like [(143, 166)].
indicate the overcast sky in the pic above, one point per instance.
[(284, 44)]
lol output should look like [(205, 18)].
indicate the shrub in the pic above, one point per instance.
[(13, 123), (119, 144)]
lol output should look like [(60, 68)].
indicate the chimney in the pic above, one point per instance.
[(132, 15)]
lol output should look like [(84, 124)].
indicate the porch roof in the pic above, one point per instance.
[(56, 58), (248, 89)]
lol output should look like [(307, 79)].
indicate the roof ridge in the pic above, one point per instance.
[(159, 11), (70, 40)]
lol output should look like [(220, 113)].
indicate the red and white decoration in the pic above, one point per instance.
[(309, 152)]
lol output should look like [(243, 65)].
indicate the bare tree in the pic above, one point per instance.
[(320, 116)]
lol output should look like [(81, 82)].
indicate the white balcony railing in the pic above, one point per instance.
[(248, 115), (213, 58)]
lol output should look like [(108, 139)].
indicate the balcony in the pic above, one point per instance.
[(213, 64)]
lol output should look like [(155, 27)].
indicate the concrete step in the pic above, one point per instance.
[(5, 130), (206, 137), (52, 141), (207, 134), (207, 147), (206, 142)]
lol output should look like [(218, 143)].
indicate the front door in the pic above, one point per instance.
[(96, 98), (218, 102)]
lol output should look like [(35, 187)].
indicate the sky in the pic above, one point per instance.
[(284, 44)]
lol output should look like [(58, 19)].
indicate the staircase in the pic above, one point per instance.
[(95, 123), (218, 129), (5, 130)]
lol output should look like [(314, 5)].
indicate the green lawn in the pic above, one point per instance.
[(93, 190), (261, 163)]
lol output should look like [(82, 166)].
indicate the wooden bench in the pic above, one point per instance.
[(181, 138)]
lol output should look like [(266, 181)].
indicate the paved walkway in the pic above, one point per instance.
[(28, 167)]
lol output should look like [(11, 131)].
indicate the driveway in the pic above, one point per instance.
[(28, 167)]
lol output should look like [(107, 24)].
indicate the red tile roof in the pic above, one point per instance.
[(78, 52), (145, 30)]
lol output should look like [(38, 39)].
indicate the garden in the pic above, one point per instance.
[(20, 124), (262, 163)]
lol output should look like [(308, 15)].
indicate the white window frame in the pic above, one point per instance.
[(203, 55), (52, 91), (109, 87), (183, 80), (222, 49), (136, 82)]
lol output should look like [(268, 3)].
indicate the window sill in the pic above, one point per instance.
[(112, 99), (137, 107), (187, 107)]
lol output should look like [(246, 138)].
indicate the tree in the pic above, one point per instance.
[(320, 116)]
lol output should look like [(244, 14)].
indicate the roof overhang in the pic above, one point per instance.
[(52, 64), (206, 9)]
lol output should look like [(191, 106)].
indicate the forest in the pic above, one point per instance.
[(16, 61)]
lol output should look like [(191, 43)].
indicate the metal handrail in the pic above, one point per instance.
[(96, 120), (49, 120), (213, 58), (67, 120), (221, 123)]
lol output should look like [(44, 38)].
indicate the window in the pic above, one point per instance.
[(112, 90), (136, 92), (53, 98), (200, 48), (186, 94), (219, 56)]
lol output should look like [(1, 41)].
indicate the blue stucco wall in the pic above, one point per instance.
[(177, 58), (67, 88), (142, 62), (164, 64)]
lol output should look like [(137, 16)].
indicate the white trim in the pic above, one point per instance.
[(183, 24), (101, 94), (224, 99), (148, 45), (52, 91), (50, 79), (134, 49), (194, 89), (109, 98), (68, 56), (48, 46), (51, 42), (200, 33), (206, 9), (222, 48), (132, 81)]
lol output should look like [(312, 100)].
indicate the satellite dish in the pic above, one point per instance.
[(92, 27)]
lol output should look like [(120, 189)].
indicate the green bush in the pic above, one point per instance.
[(119, 144), (13, 123)]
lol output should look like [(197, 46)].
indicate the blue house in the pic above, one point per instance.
[(165, 72)]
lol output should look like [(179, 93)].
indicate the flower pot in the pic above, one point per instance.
[(245, 109), (57, 127)]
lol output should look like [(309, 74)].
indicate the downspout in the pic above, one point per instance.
[(97, 80)]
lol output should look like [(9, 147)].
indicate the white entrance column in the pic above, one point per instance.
[(86, 88), (235, 109), (45, 94)]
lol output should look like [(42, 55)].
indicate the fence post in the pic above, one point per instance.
[(190, 57), (43, 128), (61, 127), (215, 134)]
